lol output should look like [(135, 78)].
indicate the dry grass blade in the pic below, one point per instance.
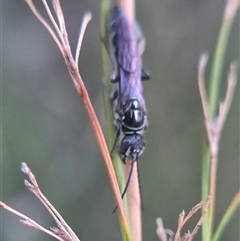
[(205, 211), (86, 18), (215, 126), (162, 233), (44, 23), (225, 105), (201, 83), (28, 221), (78, 82), (182, 221), (60, 20), (34, 188), (63, 232), (59, 14)]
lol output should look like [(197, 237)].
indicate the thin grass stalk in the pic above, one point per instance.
[(214, 89), (226, 217), (110, 129), (219, 55), (205, 184), (132, 195)]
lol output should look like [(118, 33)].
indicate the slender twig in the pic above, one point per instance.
[(134, 202), (200, 221), (75, 75), (215, 79), (214, 126), (214, 129), (28, 221), (60, 17), (34, 188), (182, 221), (44, 23), (87, 17), (161, 232), (225, 105), (201, 83), (63, 232)]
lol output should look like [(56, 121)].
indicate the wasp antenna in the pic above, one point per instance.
[(114, 210), (139, 185), (127, 184), (128, 180)]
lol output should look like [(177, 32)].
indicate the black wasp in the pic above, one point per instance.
[(130, 112)]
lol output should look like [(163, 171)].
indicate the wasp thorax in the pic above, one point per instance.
[(133, 116)]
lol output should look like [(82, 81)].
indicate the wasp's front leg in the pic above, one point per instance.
[(119, 128), (145, 75)]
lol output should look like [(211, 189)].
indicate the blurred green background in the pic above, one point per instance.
[(44, 122)]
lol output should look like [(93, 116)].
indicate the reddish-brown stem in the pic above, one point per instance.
[(103, 146), (97, 131), (214, 126), (77, 80)]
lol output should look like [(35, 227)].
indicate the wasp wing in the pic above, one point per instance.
[(128, 45)]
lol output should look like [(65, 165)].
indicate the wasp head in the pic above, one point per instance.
[(132, 146)]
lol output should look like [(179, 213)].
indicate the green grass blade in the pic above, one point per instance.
[(108, 108), (205, 185), (227, 216), (218, 59), (214, 89)]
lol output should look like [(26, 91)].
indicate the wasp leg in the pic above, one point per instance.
[(117, 136), (145, 75), (114, 69), (105, 43), (114, 79), (113, 95)]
